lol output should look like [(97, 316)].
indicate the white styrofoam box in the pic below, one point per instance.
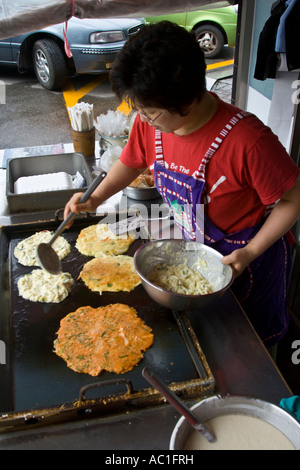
[(42, 183)]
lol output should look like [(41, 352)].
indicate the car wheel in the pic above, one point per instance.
[(49, 64), (210, 39)]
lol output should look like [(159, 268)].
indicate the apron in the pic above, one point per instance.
[(261, 289)]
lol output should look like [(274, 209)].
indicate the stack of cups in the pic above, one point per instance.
[(113, 129)]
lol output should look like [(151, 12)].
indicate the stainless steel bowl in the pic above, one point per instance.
[(218, 406), (179, 251), (141, 194), (105, 142)]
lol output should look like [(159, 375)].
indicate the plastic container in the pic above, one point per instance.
[(84, 142)]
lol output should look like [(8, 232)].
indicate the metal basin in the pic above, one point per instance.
[(181, 251), (219, 406)]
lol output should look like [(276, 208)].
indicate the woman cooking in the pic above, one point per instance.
[(204, 151)]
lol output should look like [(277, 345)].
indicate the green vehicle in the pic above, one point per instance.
[(213, 27)]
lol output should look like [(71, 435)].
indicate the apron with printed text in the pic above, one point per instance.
[(261, 288)]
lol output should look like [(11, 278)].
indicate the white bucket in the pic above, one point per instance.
[(217, 406)]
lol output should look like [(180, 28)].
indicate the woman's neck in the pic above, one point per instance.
[(200, 113)]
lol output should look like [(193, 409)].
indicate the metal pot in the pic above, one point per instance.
[(181, 251), (105, 142), (141, 194), (218, 406)]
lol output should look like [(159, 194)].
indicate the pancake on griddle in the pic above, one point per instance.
[(25, 251), (112, 338), (41, 286), (98, 239), (110, 274)]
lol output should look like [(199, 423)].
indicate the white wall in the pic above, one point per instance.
[(258, 104)]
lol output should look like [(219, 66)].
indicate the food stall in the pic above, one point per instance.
[(199, 353), (210, 351)]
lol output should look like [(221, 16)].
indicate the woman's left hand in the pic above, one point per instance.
[(239, 260)]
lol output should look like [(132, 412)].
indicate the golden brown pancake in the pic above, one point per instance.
[(111, 338), (41, 286), (110, 274), (97, 240)]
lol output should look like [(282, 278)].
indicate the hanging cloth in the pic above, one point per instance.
[(267, 58), (292, 37), (65, 28), (280, 45)]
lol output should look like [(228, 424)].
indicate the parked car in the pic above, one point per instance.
[(213, 27), (94, 44)]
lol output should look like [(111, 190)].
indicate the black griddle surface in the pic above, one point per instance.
[(37, 377)]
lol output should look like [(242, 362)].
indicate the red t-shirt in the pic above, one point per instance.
[(249, 172)]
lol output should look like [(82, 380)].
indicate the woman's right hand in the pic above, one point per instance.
[(76, 207)]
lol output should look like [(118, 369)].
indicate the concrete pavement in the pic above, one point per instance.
[(220, 82)]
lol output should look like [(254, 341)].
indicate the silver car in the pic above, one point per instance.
[(93, 43)]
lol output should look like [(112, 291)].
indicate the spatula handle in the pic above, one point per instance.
[(83, 199), (177, 403)]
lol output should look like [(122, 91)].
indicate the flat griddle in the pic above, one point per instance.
[(37, 387)]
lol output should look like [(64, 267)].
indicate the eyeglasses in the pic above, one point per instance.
[(134, 108)]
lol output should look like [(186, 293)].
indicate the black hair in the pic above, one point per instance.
[(161, 66)]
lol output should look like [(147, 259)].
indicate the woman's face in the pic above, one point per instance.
[(162, 119)]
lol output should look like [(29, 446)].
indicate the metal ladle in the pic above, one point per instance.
[(46, 256), (178, 404)]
